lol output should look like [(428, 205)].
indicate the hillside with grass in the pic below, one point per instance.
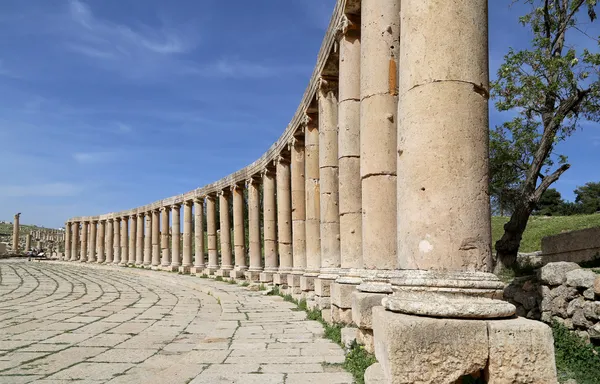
[(542, 226)]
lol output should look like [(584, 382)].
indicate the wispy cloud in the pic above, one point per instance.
[(94, 157), (41, 190), (237, 68)]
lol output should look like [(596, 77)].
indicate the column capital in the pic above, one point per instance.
[(210, 196), (267, 171), (223, 192), (348, 24), (251, 181), (175, 206), (188, 203), (281, 160), (166, 208), (117, 218), (328, 84), (237, 186), (199, 199)]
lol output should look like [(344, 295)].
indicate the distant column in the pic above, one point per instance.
[(67, 239), (187, 237), (92, 241), (16, 227), (124, 241), (199, 260), (109, 241), (74, 240), (101, 241), (132, 236), (175, 237), (84, 242), (139, 234), (211, 228), (256, 268), (239, 232), (28, 242), (313, 205), (284, 220), (155, 238), (164, 237), (147, 239), (269, 227), (225, 232), (117, 241)]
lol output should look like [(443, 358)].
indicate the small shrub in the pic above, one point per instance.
[(575, 359), (219, 278), (357, 361), (245, 284)]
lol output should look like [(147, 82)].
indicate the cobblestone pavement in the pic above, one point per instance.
[(75, 323)]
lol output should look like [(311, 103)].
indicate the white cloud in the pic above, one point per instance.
[(94, 157), (235, 68), (41, 190)]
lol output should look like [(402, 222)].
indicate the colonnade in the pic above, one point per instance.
[(373, 205)]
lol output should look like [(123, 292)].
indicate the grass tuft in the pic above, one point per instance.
[(575, 358)]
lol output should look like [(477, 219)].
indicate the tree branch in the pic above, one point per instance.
[(548, 180)]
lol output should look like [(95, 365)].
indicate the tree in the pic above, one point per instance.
[(551, 203), (588, 197), (551, 87)]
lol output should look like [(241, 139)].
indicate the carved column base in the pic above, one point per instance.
[(253, 276), (237, 274), (266, 277), (185, 269), (280, 278), (198, 270), (209, 271), (293, 282)]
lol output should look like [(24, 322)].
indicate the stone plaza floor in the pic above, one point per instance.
[(74, 323)]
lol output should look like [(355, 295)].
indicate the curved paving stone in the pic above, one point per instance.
[(65, 322)]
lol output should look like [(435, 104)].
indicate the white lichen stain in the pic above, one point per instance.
[(425, 246)]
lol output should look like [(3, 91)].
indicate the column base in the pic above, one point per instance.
[(155, 267), (171, 268), (293, 282), (341, 315), (280, 278), (253, 276), (341, 295), (362, 315), (266, 277), (237, 274), (209, 271), (223, 272), (185, 269), (197, 270), (307, 283), (452, 348)]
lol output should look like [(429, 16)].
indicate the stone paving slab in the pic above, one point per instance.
[(87, 323)]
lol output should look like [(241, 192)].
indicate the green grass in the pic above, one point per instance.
[(542, 226), (575, 359)]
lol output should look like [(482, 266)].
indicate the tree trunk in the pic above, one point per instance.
[(507, 247)]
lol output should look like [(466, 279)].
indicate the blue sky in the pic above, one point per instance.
[(106, 105)]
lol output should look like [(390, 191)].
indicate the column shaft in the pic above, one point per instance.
[(298, 207), (269, 223), (225, 231), (117, 241), (109, 241), (254, 225), (156, 238), (187, 234), (101, 241), (92, 242), (199, 261), (164, 237), (239, 234), (380, 23), (15, 239), (176, 237), (211, 228), (67, 254), (139, 234), (284, 216), (313, 197), (84, 242), (148, 239), (124, 241), (132, 239), (28, 242)]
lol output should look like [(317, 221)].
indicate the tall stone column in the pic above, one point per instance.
[(92, 241), (269, 227), (155, 238), (329, 187), (350, 188), (284, 221), (109, 241), (199, 260), (444, 301), (83, 252), (148, 239), (164, 238), (132, 237), (187, 237), (239, 233), (298, 214), (15, 239), (124, 241), (175, 237), (28, 242), (226, 263), (211, 230), (75, 241), (313, 204), (139, 235), (101, 241), (256, 267), (67, 254), (117, 241)]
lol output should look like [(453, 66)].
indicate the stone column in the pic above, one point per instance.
[(28, 242), (269, 227), (444, 300), (101, 241), (164, 238), (313, 204), (117, 241), (211, 229), (350, 189), (124, 241), (109, 241), (239, 233), (148, 239), (131, 236), (284, 221), (67, 255), (226, 263), (92, 242), (298, 215), (187, 237), (199, 261), (139, 234), (84, 242), (329, 184), (253, 273), (15, 239), (155, 238), (175, 238)]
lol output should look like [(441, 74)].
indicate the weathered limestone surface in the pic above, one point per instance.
[(139, 235), (225, 233), (239, 234), (199, 260), (269, 227), (298, 210), (211, 230), (284, 218), (254, 230), (575, 246), (164, 237), (123, 326)]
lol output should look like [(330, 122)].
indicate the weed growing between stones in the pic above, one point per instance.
[(219, 278), (245, 284), (204, 276), (575, 359)]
